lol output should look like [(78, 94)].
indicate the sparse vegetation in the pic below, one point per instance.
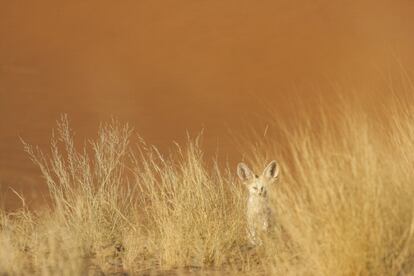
[(343, 206)]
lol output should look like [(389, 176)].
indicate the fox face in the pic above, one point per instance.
[(257, 185)]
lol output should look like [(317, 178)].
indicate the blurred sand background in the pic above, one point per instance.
[(168, 67)]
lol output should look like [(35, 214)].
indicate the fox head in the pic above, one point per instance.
[(257, 185)]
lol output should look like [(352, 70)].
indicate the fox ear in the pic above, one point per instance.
[(244, 172), (272, 171)]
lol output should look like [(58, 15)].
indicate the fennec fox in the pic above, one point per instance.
[(258, 210)]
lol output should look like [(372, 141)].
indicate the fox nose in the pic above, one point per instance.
[(261, 191)]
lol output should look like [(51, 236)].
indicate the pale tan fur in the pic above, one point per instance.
[(258, 213)]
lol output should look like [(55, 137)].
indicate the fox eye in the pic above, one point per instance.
[(255, 188)]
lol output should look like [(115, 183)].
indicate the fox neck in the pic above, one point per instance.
[(257, 206), (256, 199)]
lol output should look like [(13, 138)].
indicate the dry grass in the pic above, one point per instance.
[(344, 205)]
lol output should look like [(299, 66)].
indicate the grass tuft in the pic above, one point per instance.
[(343, 205)]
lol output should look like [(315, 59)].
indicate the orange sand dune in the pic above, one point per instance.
[(167, 67)]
